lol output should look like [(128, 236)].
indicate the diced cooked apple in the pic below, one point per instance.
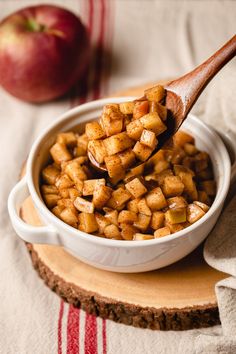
[(132, 205), (111, 126), (153, 122), (201, 161), (111, 215), (102, 222), (209, 187), (142, 237), (127, 107), (189, 185), (134, 129), (156, 93), (63, 181), (157, 220), (87, 222), (69, 216), (60, 153), (194, 213), (90, 184), (180, 168), (190, 149), (176, 227), (143, 208), (162, 111), (140, 109), (136, 188), (127, 216), (98, 150), (177, 202), (182, 137), (50, 174), (148, 138), (203, 206), (64, 192), (156, 200), (114, 167), (101, 195), (111, 108), (128, 231), (172, 186), (164, 231), (84, 205), (203, 197), (112, 231), (73, 193), (159, 177), (143, 222), (176, 216), (66, 203), (117, 143), (57, 210), (127, 158), (178, 155), (135, 171), (68, 139), (51, 200), (75, 171), (94, 131), (49, 189), (161, 165), (120, 197), (141, 151)]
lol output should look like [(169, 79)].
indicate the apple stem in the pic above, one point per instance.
[(34, 26)]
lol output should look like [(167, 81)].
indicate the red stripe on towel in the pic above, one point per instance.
[(59, 334), (73, 330), (90, 337), (104, 337)]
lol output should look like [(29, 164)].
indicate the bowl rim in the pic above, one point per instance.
[(59, 224)]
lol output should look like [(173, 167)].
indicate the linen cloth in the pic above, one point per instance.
[(136, 42)]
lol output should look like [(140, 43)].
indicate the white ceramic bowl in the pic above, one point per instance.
[(113, 255)]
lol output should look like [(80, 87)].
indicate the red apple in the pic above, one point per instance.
[(44, 50)]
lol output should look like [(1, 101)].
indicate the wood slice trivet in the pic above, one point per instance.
[(178, 297)]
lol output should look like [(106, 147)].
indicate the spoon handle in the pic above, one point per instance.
[(190, 86)]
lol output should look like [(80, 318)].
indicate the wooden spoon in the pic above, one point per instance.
[(182, 93)]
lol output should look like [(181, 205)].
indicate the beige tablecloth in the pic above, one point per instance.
[(141, 41)]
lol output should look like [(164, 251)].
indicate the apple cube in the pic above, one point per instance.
[(98, 150), (153, 122), (156, 199), (69, 139), (203, 206), (94, 131), (112, 231), (156, 93), (110, 126), (157, 220), (128, 231), (111, 215), (132, 205), (142, 152), (63, 181), (127, 216), (175, 216), (87, 222), (136, 188), (143, 208), (127, 107), (134, 129), (140, 109), (121, 196), (194, 213), (101, 195), (51, 200), (84, 205), (127, 158), (148, 138), (177, 202), (60, 153), (142, 237), (143, 222), (117, 143), (164, 231), (181, 138), (172, 186), (189, 185), (114, 166), (102, 222), (69, 216), (50, 174), (49, 189), (90, 184), (75, 171)]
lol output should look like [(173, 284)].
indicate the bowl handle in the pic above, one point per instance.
[(29, 233)]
